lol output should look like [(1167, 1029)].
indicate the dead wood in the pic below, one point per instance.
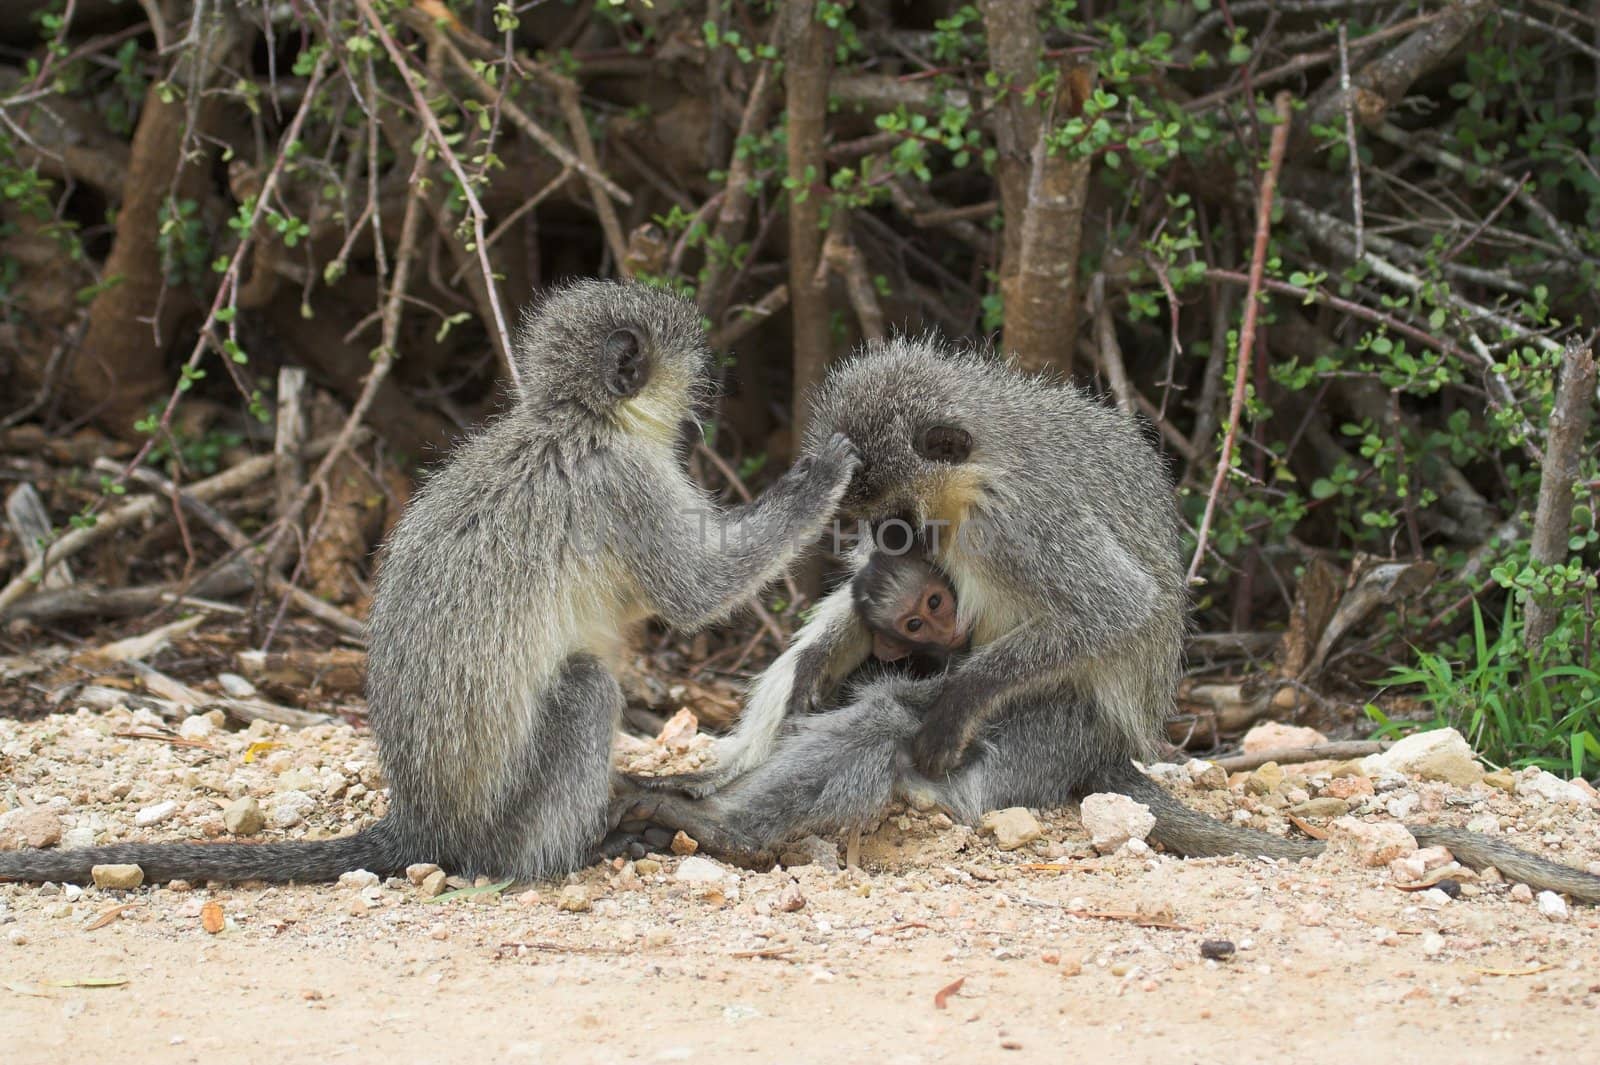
[(1339, 752), (808, 57), (1041, 295), (134, 511), (231, 578), (1563, 451), (1380, 83), (30, 523), (1012, 30), (120, 367)]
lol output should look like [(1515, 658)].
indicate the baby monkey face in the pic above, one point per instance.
[(925, 622), (909, 606)]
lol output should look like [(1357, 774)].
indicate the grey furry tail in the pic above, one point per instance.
[(1192, 834), (303, 861), (1478, 851)]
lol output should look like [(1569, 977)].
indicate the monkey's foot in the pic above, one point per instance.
[(694, 785)]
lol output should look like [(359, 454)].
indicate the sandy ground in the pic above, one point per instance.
[(1051, 941)]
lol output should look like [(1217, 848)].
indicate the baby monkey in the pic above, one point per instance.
[(909, 606)]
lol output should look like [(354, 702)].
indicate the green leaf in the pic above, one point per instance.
[(468, 892)]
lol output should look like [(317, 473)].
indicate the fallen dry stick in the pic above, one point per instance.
[(1341, 750)]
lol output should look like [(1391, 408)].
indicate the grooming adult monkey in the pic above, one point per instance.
[(1074, 597), (510, 579)]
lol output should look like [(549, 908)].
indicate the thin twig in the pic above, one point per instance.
[(1252, 305), (502, 334), (1350, 141)]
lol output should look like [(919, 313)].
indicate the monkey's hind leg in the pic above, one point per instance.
[(554, 814)]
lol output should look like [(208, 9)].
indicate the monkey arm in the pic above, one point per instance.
[(694, 563), (802, 679), (1077, 628), (829, 648)]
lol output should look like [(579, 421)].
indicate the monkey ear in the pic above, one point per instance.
[(624, 351), (945, 443)]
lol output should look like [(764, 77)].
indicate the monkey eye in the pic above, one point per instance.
[(625, 351), (934, 601), (946, 444), (914, 625)]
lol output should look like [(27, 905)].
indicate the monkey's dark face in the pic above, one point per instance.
[(903, 411), (623, 353)]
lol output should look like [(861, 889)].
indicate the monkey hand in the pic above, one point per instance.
[(940, 742), (830, 467)]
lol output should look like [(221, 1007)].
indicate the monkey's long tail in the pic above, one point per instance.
[(1194, 835), (1479, 851), (306, 861)]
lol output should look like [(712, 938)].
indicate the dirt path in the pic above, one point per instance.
[(1333, 962)]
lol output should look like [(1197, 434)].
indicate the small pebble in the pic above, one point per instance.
[(684, 844), (420, 871), (699, 871), (1012, 827), (432, 885), (574, 898), (1552, 906), (359, 878), (117, 876), (791, 899), (34, 826), (154, 815), (198, 727), (236, 686), (290, 808), (243, 816), (1217, 949)]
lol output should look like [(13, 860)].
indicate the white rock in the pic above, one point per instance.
[(1432, 944), (1551, 788), (1136, 847), (290, 808), (1272, 735), (1401, 806), (236, 686), (1439, 754), (1552, 906), (1171, 772), (1371, 845), (297, 780), (1408, 869), (154, 815), (358, 878), (1113, 820), (78, 836), (1012, 827), (700, 871), (197, 727), (243, 816)]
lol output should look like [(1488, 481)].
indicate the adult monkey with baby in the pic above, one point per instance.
[(1071, 586), (509, 581)]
